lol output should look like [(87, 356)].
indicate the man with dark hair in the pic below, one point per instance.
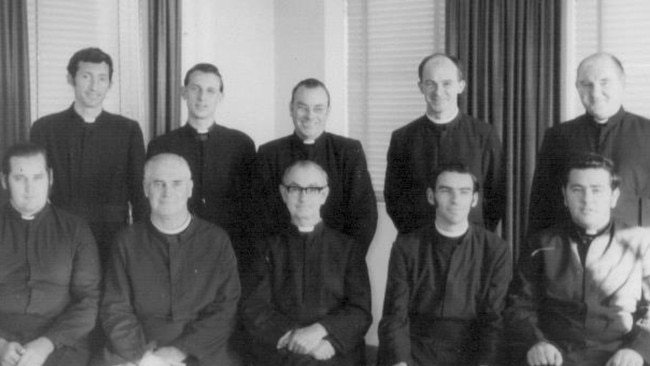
[(49, 269), (442, 135), (351, 207), (172, 287), (310, 304), (583, 286), (447, 283), (220, 158), (96, 156), (606, 128)]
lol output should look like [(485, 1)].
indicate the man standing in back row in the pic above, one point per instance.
[(97, 157), (351, 207), (220, 158), (443, 135), (607, 129)]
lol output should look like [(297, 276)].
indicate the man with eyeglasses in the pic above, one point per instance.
[(447, 283), (310, 303), (351, 207)]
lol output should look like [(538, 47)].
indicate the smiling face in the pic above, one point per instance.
[(441, 86), (28, 183), (601, 86), (304, 191), (453, 198), (168, 186), (202, 95), (590, 198), (91, 83), (309, 111)]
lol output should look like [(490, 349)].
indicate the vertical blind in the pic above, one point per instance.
[(620, 27), (58, 28), (387, 39)]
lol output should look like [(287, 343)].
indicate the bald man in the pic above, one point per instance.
[(607, 129), (310, 304), (172, 287), (442, 136)]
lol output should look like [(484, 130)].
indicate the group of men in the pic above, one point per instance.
[(176, 249)]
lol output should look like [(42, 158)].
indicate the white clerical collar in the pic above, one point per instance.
[(174, 231), (201, 129), (445, 120), (453, 233), (306, 229)]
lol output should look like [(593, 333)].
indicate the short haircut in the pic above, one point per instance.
[(93, 55), (591, 161), (303, 164), (452, 168), (310, 83), (162, 157), (20, 150), (597, 55), (455, 60), (206, 68)]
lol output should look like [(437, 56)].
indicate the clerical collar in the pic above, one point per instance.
[(202, 130), (174, 231), (307, 228), (26, 217), (452, 233), (587, 238), (86, 118), (443, 121)]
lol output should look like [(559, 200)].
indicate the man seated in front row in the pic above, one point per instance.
[(447, 283), (311, 302), (582, 289), (49, 269), (172, 287)]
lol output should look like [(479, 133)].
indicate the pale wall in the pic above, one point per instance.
[(263, 48), (236, 36)]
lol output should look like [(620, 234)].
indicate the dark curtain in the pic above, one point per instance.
[(511, 52), (164, 65), (14, 75)]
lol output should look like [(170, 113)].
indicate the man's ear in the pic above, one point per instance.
[(474, 199), (461, 86), (4, 181), (431, 197), (283, 193), (71, 80), (616, 193), (50, 174)]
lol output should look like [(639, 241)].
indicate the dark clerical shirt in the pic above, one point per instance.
[(180, 290), (305, 279), (449, 315), (351, 206), (98, 169), (49, 277), (623, 139), (419, 148), (220, 161)]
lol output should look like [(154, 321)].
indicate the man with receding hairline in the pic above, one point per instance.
[(443, 135), (310, 303), (351, 207), (220, 158), (172, 288), (606, 128)]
